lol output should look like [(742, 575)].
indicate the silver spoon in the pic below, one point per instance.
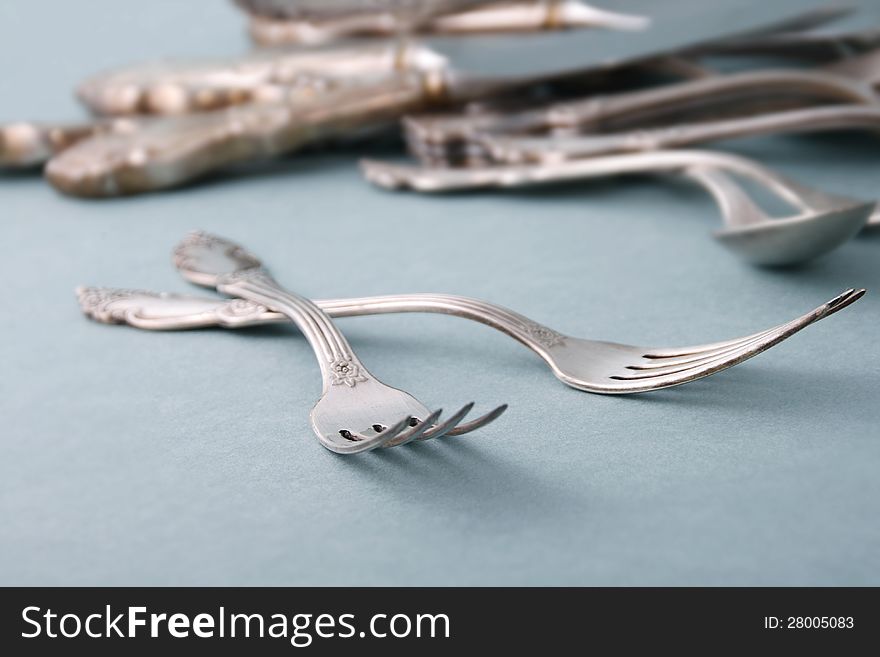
[(823, 221)]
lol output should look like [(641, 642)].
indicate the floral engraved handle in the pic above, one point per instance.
[(213, 261), (163, 311), (339, 365), (346, 372), (113, 305), (546, 337)]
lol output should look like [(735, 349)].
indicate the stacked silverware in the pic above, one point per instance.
[(161, 125), (344, 69)]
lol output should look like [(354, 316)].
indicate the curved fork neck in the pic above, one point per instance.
[(535, 336), (338, 362)]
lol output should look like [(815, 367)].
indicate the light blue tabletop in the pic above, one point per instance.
[(136, 458)]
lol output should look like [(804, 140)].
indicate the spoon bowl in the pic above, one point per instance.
[(793, 240)]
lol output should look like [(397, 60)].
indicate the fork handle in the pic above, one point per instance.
[(337, 360), (535, 336), (152, 311), (833, 117)]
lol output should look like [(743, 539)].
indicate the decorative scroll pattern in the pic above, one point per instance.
[(542, 335), (345, 371), (109, 305)]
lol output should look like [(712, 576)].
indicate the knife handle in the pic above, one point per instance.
[(170, 151)]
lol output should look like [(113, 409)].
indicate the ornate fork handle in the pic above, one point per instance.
[(149, 310), (338, 363)]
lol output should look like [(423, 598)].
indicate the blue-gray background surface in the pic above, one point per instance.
[(130, 457)]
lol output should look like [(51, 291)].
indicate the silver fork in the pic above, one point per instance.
[(599, 367), (822, 221), (356, 412)]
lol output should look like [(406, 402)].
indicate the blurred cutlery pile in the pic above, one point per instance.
[(312, 22), (348, 68), (377, 65)]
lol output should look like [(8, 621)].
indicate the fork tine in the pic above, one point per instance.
[(669, 365), (653, 382), (393, 433), (837, 303), (647, 375), (664, 362), (365, 444), (479, 422), (412, 433), (441, 429), (841, 301), (686, 375)]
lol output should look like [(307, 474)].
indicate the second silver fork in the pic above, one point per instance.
[(356, 411), (589, 365)]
